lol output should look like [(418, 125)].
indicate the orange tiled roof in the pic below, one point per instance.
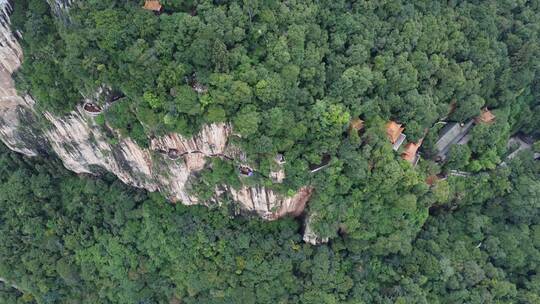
[(432, 179), (409, 154), (152, 5), (393, 131), (485, 117), (357, 124)]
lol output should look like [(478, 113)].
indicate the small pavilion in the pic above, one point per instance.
[(394, 132), (486, 117), (153, 5)]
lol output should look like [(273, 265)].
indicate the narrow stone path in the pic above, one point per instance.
[(3, 280)]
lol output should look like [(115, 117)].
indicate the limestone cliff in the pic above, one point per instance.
[(84, 148), (13, 108), (60, 8)]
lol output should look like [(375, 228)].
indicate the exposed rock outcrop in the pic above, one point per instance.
[(85, 148), (60, 8), (12, 106), (309, 235), (259, 196)]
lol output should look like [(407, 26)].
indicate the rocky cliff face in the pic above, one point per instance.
[(60, 8), (84, 148), (13, 108)]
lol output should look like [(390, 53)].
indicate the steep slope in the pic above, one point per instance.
[(84, 148)]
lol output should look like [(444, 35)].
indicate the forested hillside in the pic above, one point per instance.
[(77, 239), (317, 83), (291, 76)]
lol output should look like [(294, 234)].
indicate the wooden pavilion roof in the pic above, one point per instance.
[(393, 131), (485, 117), (152, 5)]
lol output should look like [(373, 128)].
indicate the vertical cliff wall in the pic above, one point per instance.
[(60, 8), (14, 108), (84, 148)]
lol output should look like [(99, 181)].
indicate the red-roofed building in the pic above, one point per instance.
[(394, 132), (153, 5), (485, 117)]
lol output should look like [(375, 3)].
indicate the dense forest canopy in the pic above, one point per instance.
[(77, 239), (290, 76)]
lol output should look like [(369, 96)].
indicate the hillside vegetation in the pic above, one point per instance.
[(291, 77), (70, 239)]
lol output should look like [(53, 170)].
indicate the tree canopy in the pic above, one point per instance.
[(79, 239), (289, 76)]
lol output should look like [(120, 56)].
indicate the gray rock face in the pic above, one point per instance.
[(84, 148), (13, 108), (60, 8)]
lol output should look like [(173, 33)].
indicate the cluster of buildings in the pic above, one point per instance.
[(452, 133), (394, 133), (458, 133)]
